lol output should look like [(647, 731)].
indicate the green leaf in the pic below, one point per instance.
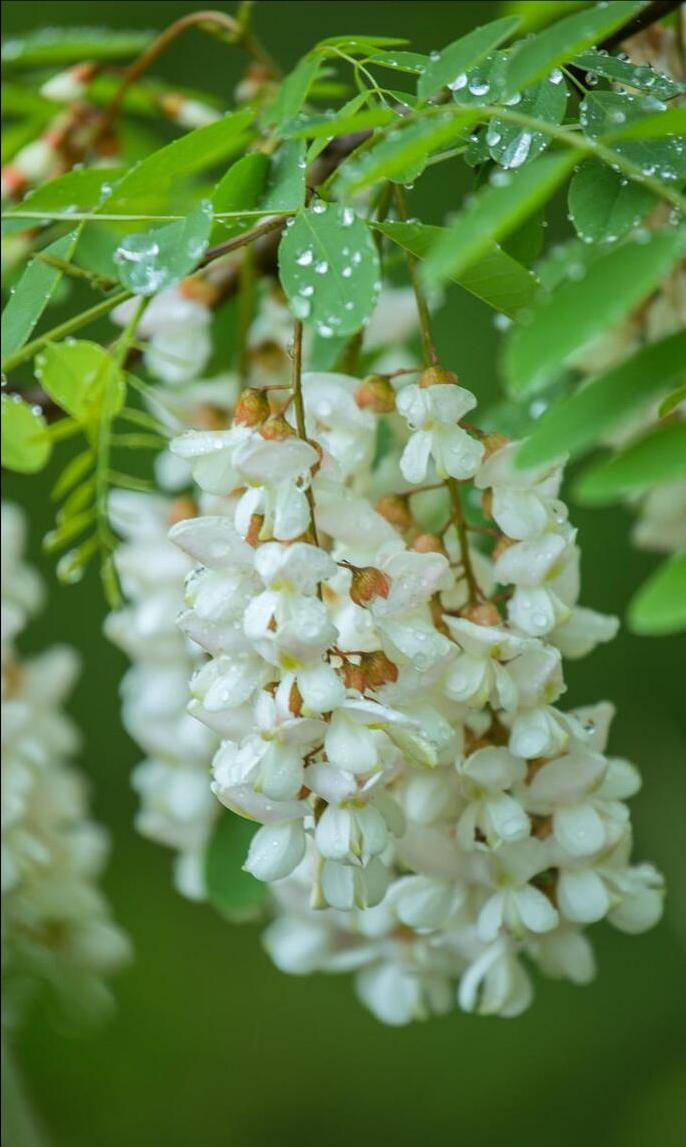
[(493, 213), (455, 60), (536, 14), (82, 378), (233, 892), (328, 127), (604, 204), (575, 423), (348, 110), (577, 311), (662, 123), (293, 92), (286, 180), (482, 84), (329, 269), (403, 150), (192, 153), (642, 77), (673, 400), (47, 47), (410, 62), (537, 57), (658, 457), (511, 145), (25, 444), (33, 293), (601, 112), (239, 190), (659, 607), (77, 191), (151, 261), (496, 278)]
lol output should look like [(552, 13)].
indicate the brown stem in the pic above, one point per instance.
[(461, 531), (210, 16), (241, 240), (299, 405), (650, 15)]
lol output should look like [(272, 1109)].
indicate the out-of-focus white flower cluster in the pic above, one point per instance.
[(177, 808), (385, 698), (57, 927)]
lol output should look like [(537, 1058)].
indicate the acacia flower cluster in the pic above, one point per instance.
[(57, 927), (386, 699)]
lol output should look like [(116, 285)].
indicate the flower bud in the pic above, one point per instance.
[(276, 428), (428, 544), (373, 671), (252, 408), (367, 584), (395, 508), (181, 509), (482, 613), (375, 393), (437, 376)]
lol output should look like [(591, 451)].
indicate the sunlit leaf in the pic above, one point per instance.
[(493, 213), (660, 605), (454, 61), (642, 77), (575, 423), (82, 378), (233, 892), (77, 191), (329, 269), (580, 309), (604, 204), (293, 92), (652, 460), (25, 444)]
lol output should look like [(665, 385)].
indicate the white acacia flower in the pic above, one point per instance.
[(570, 790), (177, 329), (487, 775), (518, 907), (496, 983), (275, 850), (525, 503), (433, 415), (478, 675)]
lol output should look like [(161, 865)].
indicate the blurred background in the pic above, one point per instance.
[(210, 1044)]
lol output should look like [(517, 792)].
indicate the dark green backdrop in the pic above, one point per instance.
[(210, 1045)]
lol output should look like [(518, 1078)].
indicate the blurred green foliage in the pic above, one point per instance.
[(210, 1044)]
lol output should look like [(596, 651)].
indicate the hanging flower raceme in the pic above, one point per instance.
[(430, 819), (57, 926)]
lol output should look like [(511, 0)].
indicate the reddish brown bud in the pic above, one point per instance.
[(252, 407), (295, 701), (367, 584), (181, 509), (437, 376), (375, 393), (207, 417), (276, 429), (395, 508), (202, 290), (254, 529), (428, 544), (482, 613), (487, 503), (373, 671)]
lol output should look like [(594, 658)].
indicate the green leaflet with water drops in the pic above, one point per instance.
[(496, 278), (403, 150), (411, 62), (57, 47), (642, 77), (285, 188), (534, 58), (82, 378), (493, 213), (329, 269), (25, 443), (585, 417), (511, 145), (158, 174), (455, 60), (653, 460), (659, 607), (604, 204), (33, 293), (239, 190), (654, 126), (151, 261), (601, 112), (233, 892), (579, 310)]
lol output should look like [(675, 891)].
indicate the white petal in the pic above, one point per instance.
[(579, 830), (275, 850), (415, 457), (582, 896)]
